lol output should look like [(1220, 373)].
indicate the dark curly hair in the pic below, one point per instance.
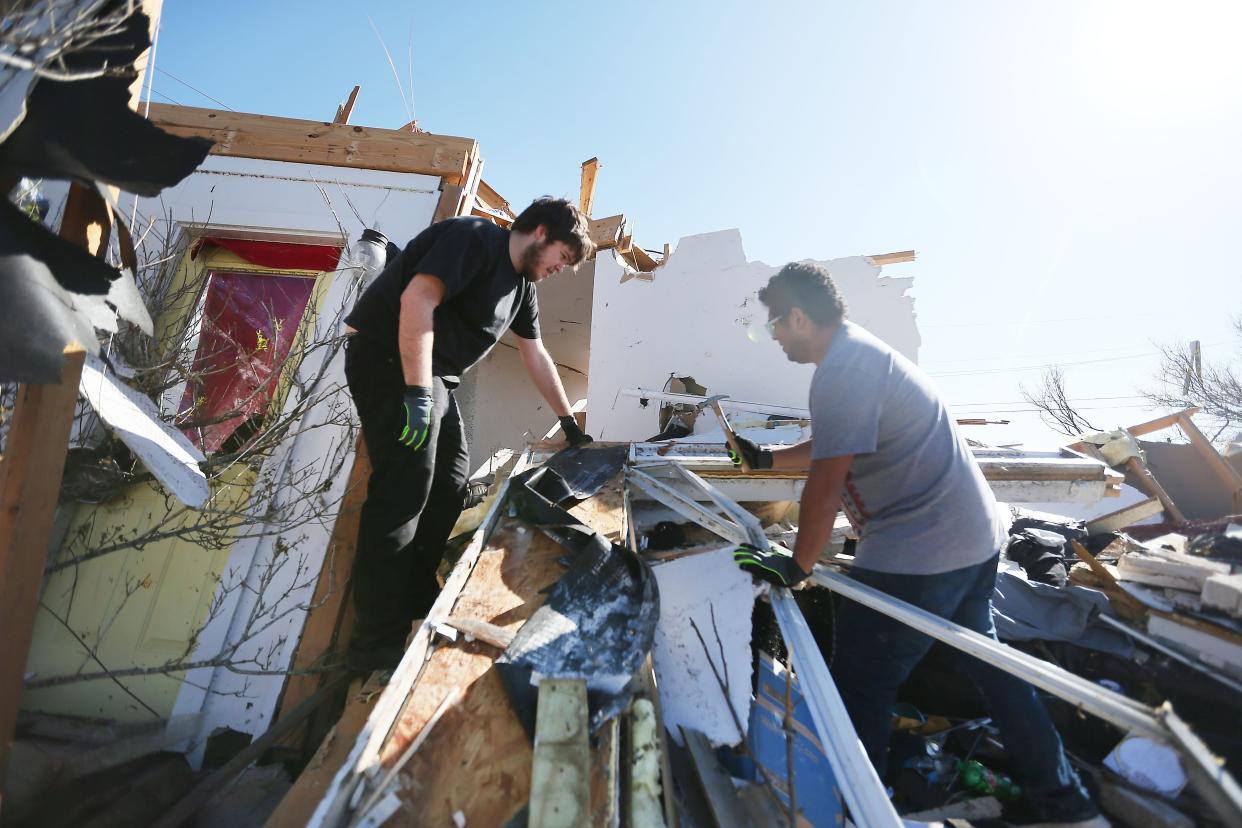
[(807, 286), (563, 221)]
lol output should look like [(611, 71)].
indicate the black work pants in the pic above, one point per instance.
[(413, 500)]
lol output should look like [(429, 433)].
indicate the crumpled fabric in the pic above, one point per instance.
[(1025, 611)]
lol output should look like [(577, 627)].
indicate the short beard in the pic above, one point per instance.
[(530, 259)]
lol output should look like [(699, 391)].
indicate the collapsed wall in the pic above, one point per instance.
[(700, 316)]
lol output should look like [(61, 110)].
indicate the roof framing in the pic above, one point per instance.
[(321, 142)]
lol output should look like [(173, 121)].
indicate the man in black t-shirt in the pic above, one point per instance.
[(436, 310)]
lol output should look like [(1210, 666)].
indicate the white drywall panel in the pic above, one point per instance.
[(693, 319), (709, 592), (500, 404), (165, 451)]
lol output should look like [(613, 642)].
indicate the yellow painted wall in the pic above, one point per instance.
[(137, 607)]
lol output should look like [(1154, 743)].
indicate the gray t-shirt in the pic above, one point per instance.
[(914, 491)]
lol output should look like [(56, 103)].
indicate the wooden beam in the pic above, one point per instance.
[(1219, 465), (346, 109), (643, 260), (586, 199), (607, 232), (30, 474), (270, 138), (892, 258), (560, 792), (1149, 483), (718, 788), (494, 201), (1122, 518), (1161, 423)]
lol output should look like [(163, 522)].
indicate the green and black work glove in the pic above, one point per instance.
[(773, 567), (755, 457), (417, 415), (575, 435)]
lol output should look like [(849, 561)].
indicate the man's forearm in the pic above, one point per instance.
[(795, 458), (542, 370), (415, 341), (816, 517)]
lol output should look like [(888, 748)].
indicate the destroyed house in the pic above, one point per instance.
[(594, 657)]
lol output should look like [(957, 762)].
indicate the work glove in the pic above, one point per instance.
[(575, 435), (773, 567), (756, 458), (418, 414)]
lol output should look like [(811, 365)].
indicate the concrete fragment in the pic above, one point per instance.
[(1223, 592)]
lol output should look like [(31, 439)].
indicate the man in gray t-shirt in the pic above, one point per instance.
[(885, 448)]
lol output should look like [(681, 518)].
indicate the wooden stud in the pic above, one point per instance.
[(586, 199), (1122, 518), (244, 135), (494, 202), (560, 794), (1161, 423), (1149, 483), (718, 787), (892, 258), (30, 474), (607, 232), (346, 109)]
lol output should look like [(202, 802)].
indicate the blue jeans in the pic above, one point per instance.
[(875, 654)]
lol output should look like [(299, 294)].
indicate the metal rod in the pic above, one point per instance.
[(1172, 653), (1127, 714), (856, 778)]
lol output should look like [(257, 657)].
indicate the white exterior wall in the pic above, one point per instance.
[(692, 319)]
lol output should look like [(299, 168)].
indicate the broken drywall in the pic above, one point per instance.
[(708, 591), (699, 316)]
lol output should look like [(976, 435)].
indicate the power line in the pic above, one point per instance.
[(1072, 399), (165, 97), (1044, 366), (1028, 356), (1010, 322), (1037, 410), (193, 88)]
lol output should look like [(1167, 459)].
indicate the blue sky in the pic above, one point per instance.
[(1068, 172)]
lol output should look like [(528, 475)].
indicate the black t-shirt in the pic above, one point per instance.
[(483, 295)]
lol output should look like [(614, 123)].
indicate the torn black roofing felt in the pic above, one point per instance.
[(53, 293), (598, 622)]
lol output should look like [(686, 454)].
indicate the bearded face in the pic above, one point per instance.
[(542, 259)]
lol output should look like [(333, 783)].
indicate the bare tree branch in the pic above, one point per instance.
[(1054, 406)]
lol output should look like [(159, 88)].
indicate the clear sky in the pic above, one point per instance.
[(1070, 173)]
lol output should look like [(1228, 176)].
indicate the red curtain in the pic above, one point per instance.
[(249, 324), (281, 255)]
